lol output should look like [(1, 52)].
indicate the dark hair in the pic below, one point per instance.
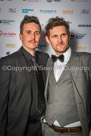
[(29, 19), (57, 21)]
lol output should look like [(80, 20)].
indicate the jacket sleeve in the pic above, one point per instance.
[(90, 80), (4, 90), (90, 68)]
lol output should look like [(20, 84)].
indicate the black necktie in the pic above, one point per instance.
[(40, 87), (61, 58)]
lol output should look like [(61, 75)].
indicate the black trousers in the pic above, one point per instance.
[(34, 129)]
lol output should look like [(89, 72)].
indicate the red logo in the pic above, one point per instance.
[(1, 32), (73, 0)]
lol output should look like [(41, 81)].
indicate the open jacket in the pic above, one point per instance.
[(15, 92), (79, 67)]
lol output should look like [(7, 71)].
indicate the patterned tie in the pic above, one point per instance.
[(54, 58)]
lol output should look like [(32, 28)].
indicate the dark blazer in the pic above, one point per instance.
[(79, 67), (15, 92)]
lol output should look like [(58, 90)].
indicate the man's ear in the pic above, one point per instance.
[(47, 39), (20, 36)]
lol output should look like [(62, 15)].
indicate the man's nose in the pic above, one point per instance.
[(32, 36), (60, 39)]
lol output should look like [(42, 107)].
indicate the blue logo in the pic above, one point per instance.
[(8, 53), (48, 11), (57, 0), (27, 10), (78, 36), (4, 21), (49, 0), (54, 0), (41, 46), (84, 25)]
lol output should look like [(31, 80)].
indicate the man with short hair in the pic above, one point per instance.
[(68, 86), (22, 83)]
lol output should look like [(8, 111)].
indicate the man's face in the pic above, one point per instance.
[(31, 36), (58, 38)]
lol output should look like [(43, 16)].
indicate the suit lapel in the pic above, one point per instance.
[(49, 66), (23, 64), (74, 65), (71, 66)]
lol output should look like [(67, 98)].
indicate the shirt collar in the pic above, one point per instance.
[(27, 54), (67, 54)]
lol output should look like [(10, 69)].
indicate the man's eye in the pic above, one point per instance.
[(63, 35), (37, 33), (55, 36), (28, 32)]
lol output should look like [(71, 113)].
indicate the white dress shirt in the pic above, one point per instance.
[(59, 66), (58, 69)]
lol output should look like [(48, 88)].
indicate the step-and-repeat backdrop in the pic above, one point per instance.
[(77, 12)]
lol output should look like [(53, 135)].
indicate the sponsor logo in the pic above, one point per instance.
[(31, 0), (81, 48), (12, 10), (7, 34), (85, 11), (27, 10), (78, 36), (68, 11), (54, 0), (7, 53), (10, 45), (7, 22), (1, 32), (49, 0), (57, 0), (41, 46), (80, 0), (73, 0), (83, 0), (48, 11), (84, 25), (9, 0)]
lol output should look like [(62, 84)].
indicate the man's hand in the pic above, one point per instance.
[(90, 133)]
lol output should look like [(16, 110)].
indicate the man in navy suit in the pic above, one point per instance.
[(22, 102)]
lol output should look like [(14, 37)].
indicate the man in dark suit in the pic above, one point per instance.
[(68, 87), (22, 82)]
